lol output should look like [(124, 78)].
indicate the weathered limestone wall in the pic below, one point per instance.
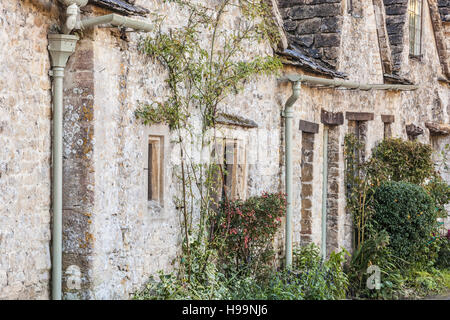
[(446, 32), (431, 101), (132, 240), (307, 164), (79, 180), (442, 144), (360, 59), (334, 168), (25, 148), (113, 234)]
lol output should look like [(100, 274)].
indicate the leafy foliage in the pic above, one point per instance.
[(320, 279), (246, 229), (408, 215), (399, 160), (359, 190), (310, 279), (443, 257), (439, 190), (394, 198), (426, 282)]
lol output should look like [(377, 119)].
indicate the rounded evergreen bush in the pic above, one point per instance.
[(408, 214)]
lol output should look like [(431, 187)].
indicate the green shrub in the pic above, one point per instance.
[(319, 279), (310, 278), (372, 251), (408, 215), (443, 256), (395, 198), (401, 160), (426, 283), (439, 190), (244, 230)]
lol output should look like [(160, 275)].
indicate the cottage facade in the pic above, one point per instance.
[(120, 224)]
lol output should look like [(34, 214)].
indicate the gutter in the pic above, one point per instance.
[(61, 47), (297, 80), (335, 83), (116, 20)]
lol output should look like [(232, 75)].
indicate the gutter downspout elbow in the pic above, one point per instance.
[(288, 116), (72, 19)]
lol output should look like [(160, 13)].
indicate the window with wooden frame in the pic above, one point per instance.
[(155, 169), (415, 27), (229, 181)]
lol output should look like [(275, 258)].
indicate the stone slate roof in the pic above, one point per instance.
[(396, 79), (396, 17), (296, 56), (125, 7), (313, 31), (235, 120), (444, 10)]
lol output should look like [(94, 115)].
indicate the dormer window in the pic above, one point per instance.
[(415, 27)]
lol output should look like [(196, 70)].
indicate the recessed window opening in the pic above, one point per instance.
[(415, 27), (155, 171)]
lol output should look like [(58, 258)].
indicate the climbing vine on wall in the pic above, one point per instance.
[(359, 189), (207, 59)]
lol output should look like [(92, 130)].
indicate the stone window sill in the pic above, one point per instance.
[(155, 206), (416, 57)]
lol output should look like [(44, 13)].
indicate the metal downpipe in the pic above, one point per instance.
[(288, 115), (58, 81), (61, 47)]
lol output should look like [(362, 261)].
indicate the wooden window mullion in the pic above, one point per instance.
[(155, 178), (150, 171)]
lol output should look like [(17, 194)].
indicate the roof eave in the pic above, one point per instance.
[(120, 6)]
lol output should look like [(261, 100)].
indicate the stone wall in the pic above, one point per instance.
[(334, 177), (360, 59), (79, 179), (25, 152), (441, 143), (307, 163), (118, 238), (444, 9), (111, 233)]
